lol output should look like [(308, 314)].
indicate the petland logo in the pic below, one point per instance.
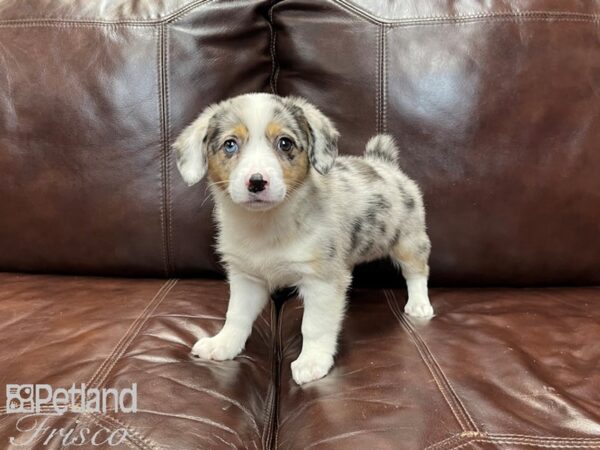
[(38, 398), (40, 402)]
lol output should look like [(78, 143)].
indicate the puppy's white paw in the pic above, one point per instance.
[(218, 348), (311, 366), (420, 308)]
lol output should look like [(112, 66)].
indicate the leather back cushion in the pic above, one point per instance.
[(91, 95), (496, 107)]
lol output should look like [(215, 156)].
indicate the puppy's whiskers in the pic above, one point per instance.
[(218, 183), (208, 196)]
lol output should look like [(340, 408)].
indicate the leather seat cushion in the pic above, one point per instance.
[(495, 368), (112, 333)]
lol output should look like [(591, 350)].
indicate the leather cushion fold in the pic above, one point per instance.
[(495, 368), (110, 333)]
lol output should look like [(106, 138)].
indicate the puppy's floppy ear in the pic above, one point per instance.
[(191, 148), (322, 134)]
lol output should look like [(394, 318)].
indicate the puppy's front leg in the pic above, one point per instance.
[(324, 305), (247, 299)]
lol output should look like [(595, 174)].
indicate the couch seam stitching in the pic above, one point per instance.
[(570, 439), (136, 326), (158, 301), (541, 443), (279, 361), (168, 17), (125, 341), (267, 409), (425, 20), (364, 14), (128, 442), (467, 442), (378, 82), (135, 438), (462, 439), (493, 20), (101, 366), (439, 367), (464, 409), (384, 75), (455, 439), (381, 84), (73, 24), (267, 417), (164, 220), (430, 366), (269, 431), (130, 333), (161, 126), (184, 11), (81, 418), (160, 115), (449, 385), (427, 364), (273, 49), (168, 153)]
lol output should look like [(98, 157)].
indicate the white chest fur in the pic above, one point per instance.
[(266, 248)]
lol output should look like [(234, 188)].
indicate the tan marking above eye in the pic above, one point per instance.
[(240, 131), (274, 129)]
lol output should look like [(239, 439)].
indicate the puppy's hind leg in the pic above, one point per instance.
[(411, 253), (247, 299)]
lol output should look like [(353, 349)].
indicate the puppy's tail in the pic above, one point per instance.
[(383, 148)]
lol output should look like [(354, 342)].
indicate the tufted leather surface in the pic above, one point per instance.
[(495, 107), (444, 9), (502, 367), (112, 333), (496, 368), (494, 104), (88, 182), (97, 10)]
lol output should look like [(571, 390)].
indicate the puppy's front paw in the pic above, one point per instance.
[(311, 366), (218, 348), (420, 308)]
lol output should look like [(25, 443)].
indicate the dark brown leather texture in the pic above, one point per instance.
[(107, 268), (115, 332), (509, 368), (91, 97), (495, 107), (496, 368)]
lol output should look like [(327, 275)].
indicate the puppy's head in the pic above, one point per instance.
[(257, 148)]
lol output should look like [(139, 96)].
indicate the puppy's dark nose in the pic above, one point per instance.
[(256, 183)]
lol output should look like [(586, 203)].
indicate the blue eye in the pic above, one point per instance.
[(230, 146)]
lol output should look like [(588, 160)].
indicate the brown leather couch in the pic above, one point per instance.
[(109, 272)]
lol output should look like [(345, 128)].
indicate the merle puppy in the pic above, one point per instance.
[(290, 212)]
